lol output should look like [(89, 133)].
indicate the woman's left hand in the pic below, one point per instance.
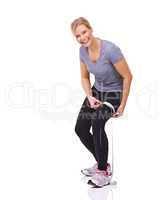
[(119, 111)]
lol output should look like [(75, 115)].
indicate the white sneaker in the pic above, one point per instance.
[(101, 178), (92, 170)]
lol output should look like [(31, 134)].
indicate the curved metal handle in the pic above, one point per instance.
[(109, 105)]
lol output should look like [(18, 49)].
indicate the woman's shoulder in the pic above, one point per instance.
[(109, 44)]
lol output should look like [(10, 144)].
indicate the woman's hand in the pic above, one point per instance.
[(94, 103), (119, 111)]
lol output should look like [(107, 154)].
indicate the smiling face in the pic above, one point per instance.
[(83, 35)]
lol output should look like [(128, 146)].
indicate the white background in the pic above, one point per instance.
[(41, 94)]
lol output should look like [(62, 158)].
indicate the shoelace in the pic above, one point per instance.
[(103, 172)]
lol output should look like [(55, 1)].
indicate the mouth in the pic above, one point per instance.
[(84, 43)]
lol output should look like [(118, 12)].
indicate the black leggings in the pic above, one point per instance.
[(96, 143)]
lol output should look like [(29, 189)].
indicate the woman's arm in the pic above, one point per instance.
[(122, 67), (85, 80)]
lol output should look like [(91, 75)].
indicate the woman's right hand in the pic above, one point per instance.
[(94, 103)]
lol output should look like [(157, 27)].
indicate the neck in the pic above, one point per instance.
[(94, 45)]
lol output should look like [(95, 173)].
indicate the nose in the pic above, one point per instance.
[(82, 38)]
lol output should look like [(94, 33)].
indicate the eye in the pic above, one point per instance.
[(77, 36)]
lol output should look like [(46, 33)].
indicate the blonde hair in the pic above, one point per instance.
[(79, 21)]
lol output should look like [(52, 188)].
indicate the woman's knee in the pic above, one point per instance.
[(79, 128), (82, 127)]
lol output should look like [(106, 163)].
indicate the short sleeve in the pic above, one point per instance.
[(115, 54)]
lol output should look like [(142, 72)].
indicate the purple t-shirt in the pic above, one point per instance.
[(107, 79)]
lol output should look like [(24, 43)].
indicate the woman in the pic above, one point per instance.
[(113, 78)]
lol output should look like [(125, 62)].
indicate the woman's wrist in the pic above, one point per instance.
[(122, 105), (89, 97)]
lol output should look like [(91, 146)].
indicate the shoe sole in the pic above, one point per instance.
[(93, 174), (96, 186)]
